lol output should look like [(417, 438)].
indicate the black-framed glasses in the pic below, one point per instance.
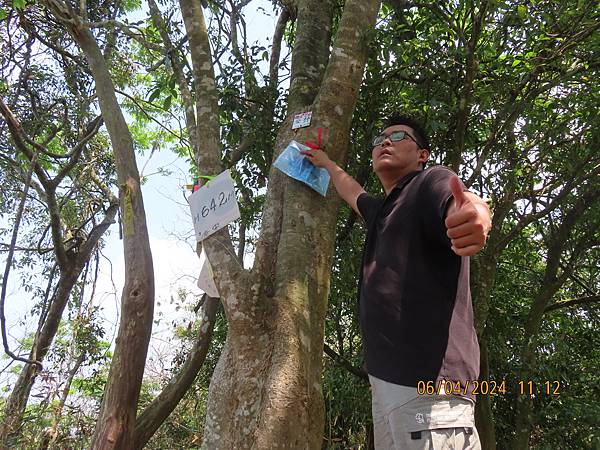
[(395, 136)]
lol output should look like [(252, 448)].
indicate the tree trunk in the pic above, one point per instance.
[(484, 274), (266, 389), (17, 400), (484, 419), (155, 414), (559, 245), (115, 425)]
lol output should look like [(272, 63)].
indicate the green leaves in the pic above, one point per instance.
[(131, 5), (154, 94), (167, 102), (525, 121)]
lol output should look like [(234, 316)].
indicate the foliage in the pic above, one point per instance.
[(510, 96)]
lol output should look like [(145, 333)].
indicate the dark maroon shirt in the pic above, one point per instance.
[(414, 297)]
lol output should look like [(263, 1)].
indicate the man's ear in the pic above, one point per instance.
[(424, 156)]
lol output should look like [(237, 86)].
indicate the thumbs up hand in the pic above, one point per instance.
[(468, 220)]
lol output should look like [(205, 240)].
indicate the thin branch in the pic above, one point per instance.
[(9, 259), (160, 124), (22, 140), (177, 67), (125, 28), (574, 180), (55, 130), (4, 247), (359, 372), (573, 302), (577, 279), (91, 131), (46, 301)]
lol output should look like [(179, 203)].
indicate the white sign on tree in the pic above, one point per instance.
[(302, 120), (214, 206), (206, 280)]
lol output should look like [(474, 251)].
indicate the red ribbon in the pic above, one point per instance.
[(316, 146)]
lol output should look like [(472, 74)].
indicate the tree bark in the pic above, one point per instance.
[(265, 391), (115, 425), (17, 400), (155, 414), (559, 243)]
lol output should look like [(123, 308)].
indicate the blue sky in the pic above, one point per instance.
[(176, 265)]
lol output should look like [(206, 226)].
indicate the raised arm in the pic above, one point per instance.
[(346, 186)]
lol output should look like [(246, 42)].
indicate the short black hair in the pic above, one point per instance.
[(415, 124)]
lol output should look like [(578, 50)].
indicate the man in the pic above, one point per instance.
[(416, 316)]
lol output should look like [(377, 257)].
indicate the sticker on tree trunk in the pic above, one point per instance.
[(206, 280), (214, 205), (302, 120)]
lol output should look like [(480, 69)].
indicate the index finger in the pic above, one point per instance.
[(461, 216)]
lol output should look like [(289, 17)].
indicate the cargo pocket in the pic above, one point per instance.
[(454, 439), (439, 439), (433, 422)]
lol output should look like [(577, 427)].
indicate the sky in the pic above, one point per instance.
[(176, 265)]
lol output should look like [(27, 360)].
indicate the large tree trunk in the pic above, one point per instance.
[(266, 391), (115, 425), (484, 275)]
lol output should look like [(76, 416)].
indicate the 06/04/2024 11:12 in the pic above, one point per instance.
[(484, 387)]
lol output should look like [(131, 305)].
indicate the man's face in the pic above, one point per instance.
[(398, 158)]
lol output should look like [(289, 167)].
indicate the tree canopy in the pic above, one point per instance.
[(509, 94)]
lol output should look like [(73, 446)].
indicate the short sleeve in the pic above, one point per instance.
[(367, 206), (436, 196)]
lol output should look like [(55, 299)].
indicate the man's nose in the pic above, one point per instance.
[(387, 141)]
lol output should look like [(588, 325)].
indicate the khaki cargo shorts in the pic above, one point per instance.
[(404, 420)]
